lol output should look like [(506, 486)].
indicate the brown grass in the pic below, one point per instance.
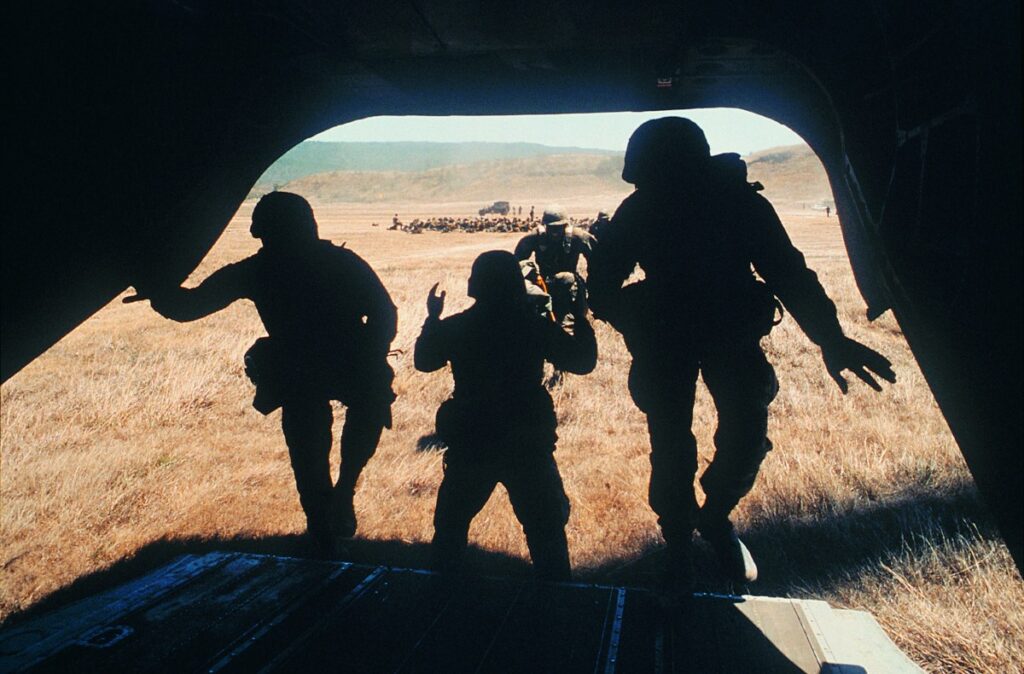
[(134, 438)]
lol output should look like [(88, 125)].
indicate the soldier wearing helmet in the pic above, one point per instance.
[(600, 221), (330, 323), (699, 231), (499, 424), (557, 246)]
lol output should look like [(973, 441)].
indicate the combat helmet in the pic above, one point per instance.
[(554, 215), (659, 147), (496, 278), (554, 220), (283, 217)]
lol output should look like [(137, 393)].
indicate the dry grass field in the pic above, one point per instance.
[(133, 440)]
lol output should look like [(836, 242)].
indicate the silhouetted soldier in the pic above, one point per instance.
[(330, 322), (499, 424), (600, 222), (557, 247), (696, 226)]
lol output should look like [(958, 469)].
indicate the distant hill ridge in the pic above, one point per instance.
[(792, 175), (537, 177), (312, 157)]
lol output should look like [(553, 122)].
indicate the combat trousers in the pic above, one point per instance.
[(563, 289), (307, 432), (742, 384), (538, 498)]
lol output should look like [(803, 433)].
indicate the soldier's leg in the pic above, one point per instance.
[(307, 432), (742, 384), (562, 287), (538, 498), (673, 466), (463, 493), (665, 393), (359, 438)]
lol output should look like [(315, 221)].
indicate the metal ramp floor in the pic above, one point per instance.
[(234, 612)]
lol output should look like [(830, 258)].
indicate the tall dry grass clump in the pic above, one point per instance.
[(134, 439)]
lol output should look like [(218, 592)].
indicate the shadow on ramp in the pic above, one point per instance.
[(239, 611)]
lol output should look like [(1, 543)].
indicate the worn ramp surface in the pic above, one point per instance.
[(233, 612)]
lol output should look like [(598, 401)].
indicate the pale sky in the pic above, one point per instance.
[(727, 129)]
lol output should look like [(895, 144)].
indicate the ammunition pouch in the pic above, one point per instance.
[(491, 429), (281, 373), (259, 363)]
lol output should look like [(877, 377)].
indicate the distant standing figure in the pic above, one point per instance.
[(697, 228), (499, 425), (330, 323), (828, 211)]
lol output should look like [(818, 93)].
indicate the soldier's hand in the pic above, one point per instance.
[(862, 361), (435, 302), (580, 305)]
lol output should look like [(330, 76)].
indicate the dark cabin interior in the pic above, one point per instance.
[(139, 127)]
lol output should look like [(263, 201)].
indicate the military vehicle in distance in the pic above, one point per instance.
[(498, 207)]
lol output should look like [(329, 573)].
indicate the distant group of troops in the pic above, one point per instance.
[(473, 224), (697, 229)]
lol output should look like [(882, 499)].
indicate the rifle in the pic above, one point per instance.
[(544, 286)]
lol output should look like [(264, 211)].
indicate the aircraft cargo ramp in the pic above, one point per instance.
[(235, 612)]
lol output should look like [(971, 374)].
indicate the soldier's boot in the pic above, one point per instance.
[(676, 584), (359, 438), (734, 559), (550, 558), (343, 512), (318, 533), (447, 550)]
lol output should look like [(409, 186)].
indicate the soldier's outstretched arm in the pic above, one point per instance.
[(861, 360), (217, 291), (783, 267), (432, 346), (785, 270)]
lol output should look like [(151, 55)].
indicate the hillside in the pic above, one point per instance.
[(791, 175), (793, 178), (535, 178), (311, 157)]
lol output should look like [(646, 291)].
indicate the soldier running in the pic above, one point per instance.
[(695, 226), (499, 425), (557, 247), (330, 323)]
